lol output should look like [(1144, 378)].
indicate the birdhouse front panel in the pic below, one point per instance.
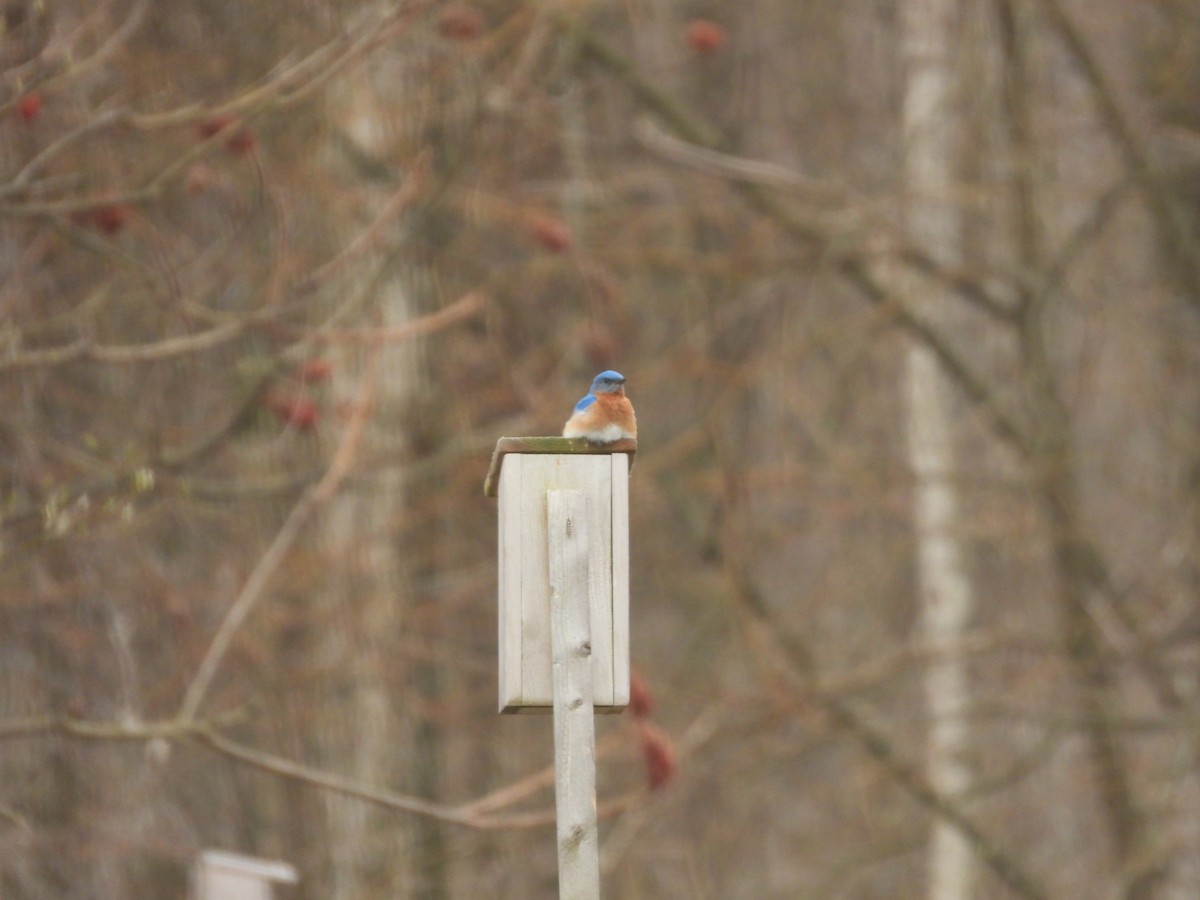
[(525, 639)]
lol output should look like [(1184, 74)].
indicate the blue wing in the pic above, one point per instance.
[(585, 402)]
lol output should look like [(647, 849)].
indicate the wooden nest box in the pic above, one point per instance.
[(522, 471)]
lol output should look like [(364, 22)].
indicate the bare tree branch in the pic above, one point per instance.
[(478, 814), (313, 499), (859, 269), (1173, 222)]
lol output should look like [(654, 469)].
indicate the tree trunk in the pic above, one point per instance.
[(363, 611), (930, 157)]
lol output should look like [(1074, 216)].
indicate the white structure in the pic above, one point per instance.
[(218, 875), (523, 471)]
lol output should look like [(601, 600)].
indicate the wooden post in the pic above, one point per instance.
[(574, 723)]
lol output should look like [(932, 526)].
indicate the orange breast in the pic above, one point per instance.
[(617, 409)]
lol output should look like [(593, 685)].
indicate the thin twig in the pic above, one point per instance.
[(727, 165), (22, 179), (298, 772), (530, 784), (466, 306)]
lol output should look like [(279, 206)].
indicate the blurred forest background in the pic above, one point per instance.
[(908, 297)]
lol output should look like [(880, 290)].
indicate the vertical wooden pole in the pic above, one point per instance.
[(574, 722)]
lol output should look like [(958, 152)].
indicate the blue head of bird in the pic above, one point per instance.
[(608, 382)]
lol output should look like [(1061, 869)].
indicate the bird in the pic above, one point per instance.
[(604, 414)]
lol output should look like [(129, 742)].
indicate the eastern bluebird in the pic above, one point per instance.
[(605, 414)]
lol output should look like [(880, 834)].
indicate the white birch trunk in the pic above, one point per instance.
[(930, 153), (946, 601), (362, 736)]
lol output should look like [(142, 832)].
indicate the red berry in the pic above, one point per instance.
[(243, 141), (216, 124), (30, 106), (641, 698), (314, 370), (241, 138), (705, 36), (550, 232), (111, 217), (600, 345), (296, 410), (658, 753), (460, 22)]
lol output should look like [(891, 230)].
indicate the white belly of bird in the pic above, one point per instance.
[(606, 435)]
